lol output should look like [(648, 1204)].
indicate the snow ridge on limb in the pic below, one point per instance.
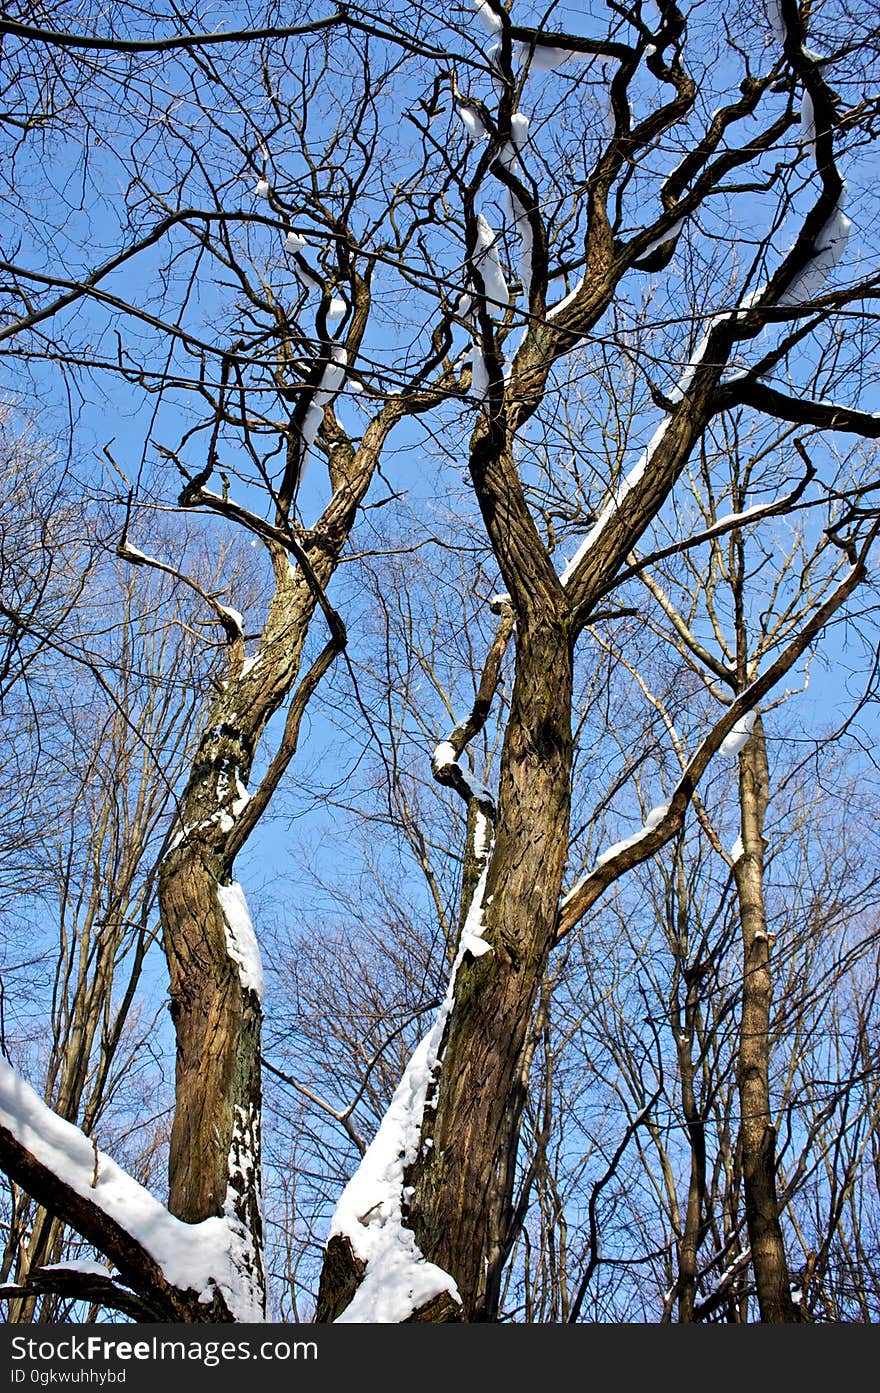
[(740, 717), (181, 1266), (619, 494), (447, 769), (487, 264), (371, 1214), (825, 229), (241, 941)]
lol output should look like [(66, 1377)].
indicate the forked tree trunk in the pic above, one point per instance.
[(757, 1132), (463, 1178), (215, 1160)]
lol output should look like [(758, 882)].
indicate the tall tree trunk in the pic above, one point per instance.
[(757, 1132), (213, 961), (463, 1181)]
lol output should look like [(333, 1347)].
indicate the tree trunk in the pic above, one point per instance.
[(463, 1182), (694, 1225), (217, 1019), (757, 1132), (214, 1162)]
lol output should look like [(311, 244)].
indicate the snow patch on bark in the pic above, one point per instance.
[(398, 1278), (241, 941)]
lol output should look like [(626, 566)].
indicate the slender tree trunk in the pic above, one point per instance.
[(694, 1225), (758, 1134)]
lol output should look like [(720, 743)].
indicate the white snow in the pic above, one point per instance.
[(479, 374), (488, 263), (566, 301), (775, 20), (87, 1266), (614, 503), (638, 470), (198, 1257), (673, 231), (398, 1279), (482, 835), (519, 129), (336, 309), (544, 58), (699, 353), (524, 228), (518, 214), (808, 124), (728, 520), (615, 847), (472, 122), (737, 738), (444, 755), (830, 245), (136, 553), (306, 276), (233, 614), (472, 940), (655, 816), (241, 941), (262, 189), (294, 242), (737, 851), (240, 801), (331, 381), (487, 16)]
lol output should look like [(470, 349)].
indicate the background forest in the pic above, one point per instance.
[(439, 869)]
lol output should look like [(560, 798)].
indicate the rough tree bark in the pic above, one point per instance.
[(757, 1131)]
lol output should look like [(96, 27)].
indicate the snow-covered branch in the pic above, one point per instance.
[(732, 728), (182, 1271)]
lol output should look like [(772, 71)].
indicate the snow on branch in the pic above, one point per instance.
[(241, 941), (371, 1213), (776, 20), (446, 769), (51, 1157), (488, 16), (487, 263), (332, 379), (738, 718), (509, 160), (737, 739), (828, 248), (472, 120)]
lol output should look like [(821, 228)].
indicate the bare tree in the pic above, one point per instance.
[(337, 232)]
